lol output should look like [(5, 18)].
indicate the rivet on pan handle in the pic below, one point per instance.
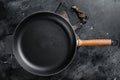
[(94, 42)]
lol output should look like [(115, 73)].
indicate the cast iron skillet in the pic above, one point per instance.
[(45, 43)]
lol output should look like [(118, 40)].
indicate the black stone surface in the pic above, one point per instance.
[(90, 63)]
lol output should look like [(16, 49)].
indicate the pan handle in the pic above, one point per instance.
[(95, 42)]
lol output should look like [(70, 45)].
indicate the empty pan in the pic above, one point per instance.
[(45, 43)]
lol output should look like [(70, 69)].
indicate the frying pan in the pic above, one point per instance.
[(45, 43)]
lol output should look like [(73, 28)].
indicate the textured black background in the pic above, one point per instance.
[(90, 63)]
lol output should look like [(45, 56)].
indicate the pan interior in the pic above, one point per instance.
[(45, 41)]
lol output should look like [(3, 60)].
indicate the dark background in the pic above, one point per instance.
[(90, 63)]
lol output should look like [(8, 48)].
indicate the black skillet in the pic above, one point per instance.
[(45, 43)]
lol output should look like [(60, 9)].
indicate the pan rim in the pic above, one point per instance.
[(21, 62)]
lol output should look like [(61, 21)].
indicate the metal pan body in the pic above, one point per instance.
[(44, 43)]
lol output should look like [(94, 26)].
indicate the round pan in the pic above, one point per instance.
[(45, 43)]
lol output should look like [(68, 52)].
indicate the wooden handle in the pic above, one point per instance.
[(94, 42)]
